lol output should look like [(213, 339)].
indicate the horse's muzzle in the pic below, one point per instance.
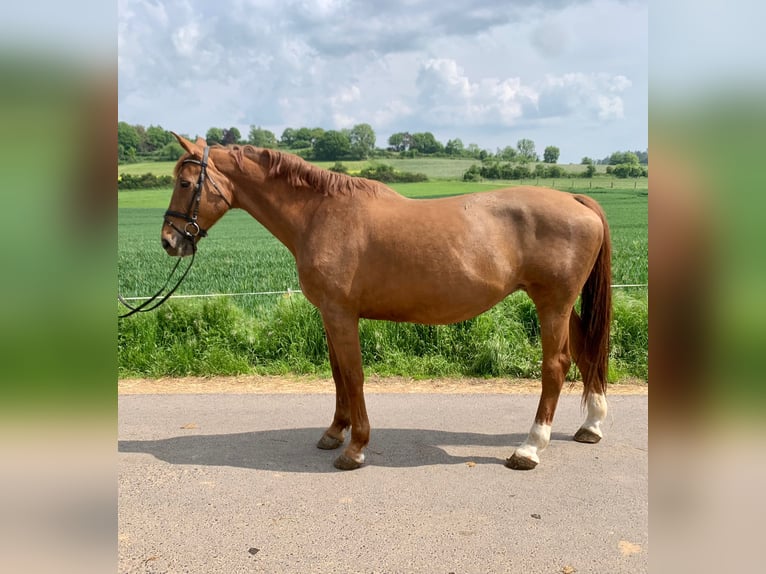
[(176, 245)]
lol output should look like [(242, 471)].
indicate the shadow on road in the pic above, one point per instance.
[(294, 450)]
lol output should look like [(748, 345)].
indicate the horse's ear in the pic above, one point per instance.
[(189, 146), (201, 142)]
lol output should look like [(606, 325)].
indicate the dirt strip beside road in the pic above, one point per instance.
[(257, 384)]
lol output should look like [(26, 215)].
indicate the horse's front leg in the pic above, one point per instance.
[(343, 333), (334, 436)]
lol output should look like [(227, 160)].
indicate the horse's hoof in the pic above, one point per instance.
[(328, 442), (517, 462), (587, 436), (344, 462)]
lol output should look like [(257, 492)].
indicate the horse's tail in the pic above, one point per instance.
[(593, 325)]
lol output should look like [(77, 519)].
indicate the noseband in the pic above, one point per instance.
[(189, 232)]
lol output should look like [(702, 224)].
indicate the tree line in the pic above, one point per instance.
[(619, 164), (137, 143)]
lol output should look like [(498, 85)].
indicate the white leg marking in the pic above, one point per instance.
[(597, 410), (538, 438)]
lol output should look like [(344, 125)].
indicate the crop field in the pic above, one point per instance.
[(434, 168), (277, 334), (241, 256)]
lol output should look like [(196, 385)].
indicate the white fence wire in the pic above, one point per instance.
[(298, 291)]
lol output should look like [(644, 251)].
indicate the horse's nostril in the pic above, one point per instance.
[(165, 243)]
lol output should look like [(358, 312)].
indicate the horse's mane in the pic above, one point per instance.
[(300, 173)]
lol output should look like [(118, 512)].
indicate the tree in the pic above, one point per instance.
[(426, 143), (586, 161), (127, 142), (260, 137), (590, 170), (400, 141), (526, 149), (231, 136), (332, 145), (143, 146), (555, 171), (454, 147), (622, 157), (171, 151), (551, 154), (214, 136), (315, 134), (362, 139), (473, 173), (157, 138), (624, 170), (288, 137), (473, 150), (508, 153), (521, 172), (302, 139)]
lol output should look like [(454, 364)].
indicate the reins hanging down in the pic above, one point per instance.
[(147, 305), (190, 231)]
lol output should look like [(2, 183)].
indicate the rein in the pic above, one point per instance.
[(189, 232)]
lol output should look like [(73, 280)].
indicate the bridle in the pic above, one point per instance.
[(190, 231), (192, 228)]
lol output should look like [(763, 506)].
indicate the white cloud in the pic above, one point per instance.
[(583, 95), (447, 96), (345, 96), (186, 39), (415, 65)]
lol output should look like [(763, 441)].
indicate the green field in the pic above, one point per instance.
[(275, 334), (241, 256), (434, 168)]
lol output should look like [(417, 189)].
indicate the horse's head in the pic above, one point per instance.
[(201, 195)]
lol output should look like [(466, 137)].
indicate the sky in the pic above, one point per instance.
[(568, 73)]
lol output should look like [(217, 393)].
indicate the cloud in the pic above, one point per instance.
[(447, 96), (400, 65), (550, 38), (583, 95)]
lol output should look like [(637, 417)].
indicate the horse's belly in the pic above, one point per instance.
[(438, 307)]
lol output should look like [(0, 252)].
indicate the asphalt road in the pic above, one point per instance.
[(234, 483)]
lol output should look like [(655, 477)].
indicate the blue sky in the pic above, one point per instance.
[(561, 72)]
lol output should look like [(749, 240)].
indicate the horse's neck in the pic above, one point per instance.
[(279, 208)]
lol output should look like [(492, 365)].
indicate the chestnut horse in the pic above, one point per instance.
[(363, 250)]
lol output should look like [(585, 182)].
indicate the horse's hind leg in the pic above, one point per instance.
[(333, 437), (595, 401), (590, 431), (556, 362)]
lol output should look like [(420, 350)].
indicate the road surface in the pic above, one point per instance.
[(233, 483)]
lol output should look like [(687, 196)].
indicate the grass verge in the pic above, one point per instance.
[(216, 337)]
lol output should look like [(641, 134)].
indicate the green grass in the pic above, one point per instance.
[(219, 337), (278, 334)]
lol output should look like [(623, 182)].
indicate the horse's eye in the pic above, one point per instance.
[(185, 183)]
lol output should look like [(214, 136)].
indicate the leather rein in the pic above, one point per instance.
[(189, 231)]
